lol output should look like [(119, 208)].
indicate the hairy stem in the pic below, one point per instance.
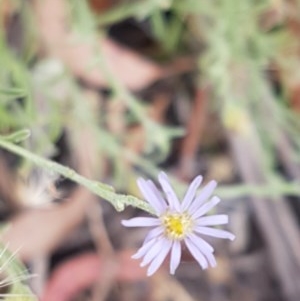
[(119, 201)]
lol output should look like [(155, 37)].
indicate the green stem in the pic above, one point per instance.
[(119, 201), (267, 190), (122, 12)]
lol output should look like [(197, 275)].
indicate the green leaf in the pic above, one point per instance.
[(18, 136), (13, 274), (12, 92)]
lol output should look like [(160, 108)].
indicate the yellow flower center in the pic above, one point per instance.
[(177, 225)]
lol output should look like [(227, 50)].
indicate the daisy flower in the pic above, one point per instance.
[(178, 223)]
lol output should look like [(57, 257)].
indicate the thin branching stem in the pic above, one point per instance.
[(119, 201)]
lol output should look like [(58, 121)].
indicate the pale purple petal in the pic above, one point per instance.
[(150, 195), (201, 243), (196, 253), (169, 192), (157, 194), (155, 250), (204, 195), (191, 192), (141, 222), (156, 232), (212, 220), (175, 257), (203, 248), (211, 259), (206, 207), (158, 260), (214, 232), (144, 249)]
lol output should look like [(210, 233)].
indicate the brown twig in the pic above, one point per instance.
[(104, 249), (194, 130), (269, 214)]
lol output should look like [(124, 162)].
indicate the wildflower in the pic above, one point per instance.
[(178, 223)]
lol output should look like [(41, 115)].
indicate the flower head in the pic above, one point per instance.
[(177, 223)]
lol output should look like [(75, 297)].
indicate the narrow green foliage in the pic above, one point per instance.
[(13, 276)]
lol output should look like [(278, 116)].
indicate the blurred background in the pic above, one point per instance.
[(118, 89)]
